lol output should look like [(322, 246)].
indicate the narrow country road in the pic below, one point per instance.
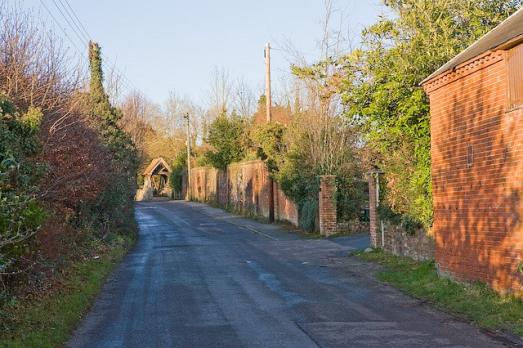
[(200, 277)]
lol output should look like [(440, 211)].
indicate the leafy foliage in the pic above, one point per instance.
[(179, 168), (58, 154), (308, 213), (309, 147), (227, 136), (269, 140), (382, 94), (20, 214)]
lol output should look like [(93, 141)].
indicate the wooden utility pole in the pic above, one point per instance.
[(268, 107), (188, 194), (268, 99)]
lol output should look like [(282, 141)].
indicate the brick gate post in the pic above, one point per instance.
[(327, 199)]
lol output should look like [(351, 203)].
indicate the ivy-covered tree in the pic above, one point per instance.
[(115, 206), (382, 93), (269, 142)]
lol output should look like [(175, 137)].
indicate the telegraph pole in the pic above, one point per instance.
[(268, 107), (188, 194), (268, 97)]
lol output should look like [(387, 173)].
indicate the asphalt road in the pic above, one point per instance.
[(200, 277)]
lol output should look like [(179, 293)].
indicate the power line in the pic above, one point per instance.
[(79, 33), (64, 31), (78, 23), (82, 34), (67, 21), (77, 19)]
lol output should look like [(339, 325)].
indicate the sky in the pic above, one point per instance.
[(174, 45)]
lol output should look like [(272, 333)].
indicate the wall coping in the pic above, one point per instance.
[(469, 67), (237, 164), (203, 168)]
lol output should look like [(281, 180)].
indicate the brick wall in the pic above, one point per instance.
[(249, 188), (243, 187), (327, 205), (284, 208), (477, 174)]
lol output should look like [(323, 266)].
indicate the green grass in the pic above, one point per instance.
[(49, 321), (474, 302)]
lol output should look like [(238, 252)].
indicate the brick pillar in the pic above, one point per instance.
[(327, 205)]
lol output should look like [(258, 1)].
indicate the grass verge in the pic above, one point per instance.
[(474, 302), (49, 321)]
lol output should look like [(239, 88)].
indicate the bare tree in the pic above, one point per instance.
[(135, 117), (220, 91), (319, 133), (114, 84), (175, 109), (244, 100), (35, 68)]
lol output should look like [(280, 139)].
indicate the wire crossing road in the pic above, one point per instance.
[(200, 277)]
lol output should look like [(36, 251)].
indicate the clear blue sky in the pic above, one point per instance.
[(164, 45)]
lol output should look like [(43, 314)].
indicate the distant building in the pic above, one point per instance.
[(156, 181), (476, 105)]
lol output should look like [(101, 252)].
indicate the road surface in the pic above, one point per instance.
[(200, 277)]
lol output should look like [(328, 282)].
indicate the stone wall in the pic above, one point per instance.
[(394, 238), (144, 194), (418, 245)]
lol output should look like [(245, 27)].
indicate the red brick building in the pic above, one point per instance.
[(476, 105)]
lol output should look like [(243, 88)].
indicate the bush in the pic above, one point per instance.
[(269, 141), (179, 168), (227, 135), (20, 214), (307, 216)]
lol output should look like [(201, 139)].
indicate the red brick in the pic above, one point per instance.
[(477, 208)]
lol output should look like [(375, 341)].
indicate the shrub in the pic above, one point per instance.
[(227, 136), (179, 168), (20, 214), (307, 216)]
